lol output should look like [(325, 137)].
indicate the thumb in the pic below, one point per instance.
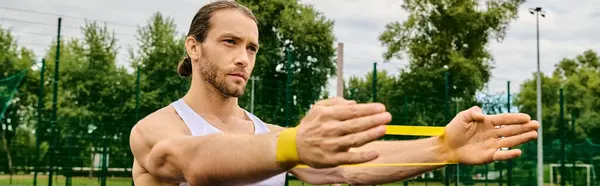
[(475, 114)]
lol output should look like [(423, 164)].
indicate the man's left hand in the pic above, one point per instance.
[(474, 138)]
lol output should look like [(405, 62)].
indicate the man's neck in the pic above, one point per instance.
[(206, 100)]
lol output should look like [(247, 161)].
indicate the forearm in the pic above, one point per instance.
[(429, 150), (223, 159)]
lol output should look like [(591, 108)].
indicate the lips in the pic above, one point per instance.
[(239, 74)]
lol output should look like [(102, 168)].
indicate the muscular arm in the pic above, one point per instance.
[(413, 151), (217, 159), (470, 138), (429, 150)]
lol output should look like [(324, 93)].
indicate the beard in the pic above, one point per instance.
[(212, 74)]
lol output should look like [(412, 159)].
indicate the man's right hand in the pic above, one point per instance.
[(335, 125)]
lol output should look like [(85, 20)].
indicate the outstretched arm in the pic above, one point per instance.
[(170, 153), (428, 150), (470, 138), (214, 159)]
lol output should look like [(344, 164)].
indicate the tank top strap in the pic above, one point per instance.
[(195, 123), (259, 126)]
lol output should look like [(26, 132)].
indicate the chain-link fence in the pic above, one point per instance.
[(75, 150), (70, 119)]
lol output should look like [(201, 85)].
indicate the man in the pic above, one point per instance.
[(205, 138)]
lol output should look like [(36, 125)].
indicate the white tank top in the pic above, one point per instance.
[(200, 127)]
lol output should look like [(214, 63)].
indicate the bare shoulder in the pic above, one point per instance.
[(160, 125), (148, 133), (164, 121)]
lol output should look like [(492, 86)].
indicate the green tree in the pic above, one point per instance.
[(93, 97), (445, 42), (580, 79), (495, 103), (446, 36), (160, 49), (361, 90), (20, 114), (287, 25)]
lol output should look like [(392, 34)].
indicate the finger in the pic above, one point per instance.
[(517, 139), (508, 119), (476, 109), (511, 130), (362, 123), (473, 114), (345, 112), (506, 154), (344, 158), (358, 139), (332, 101)]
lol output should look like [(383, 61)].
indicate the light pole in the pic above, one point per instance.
[(537, 11), (252, 79)]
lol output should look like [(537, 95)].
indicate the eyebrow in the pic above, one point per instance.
[(235, 37)]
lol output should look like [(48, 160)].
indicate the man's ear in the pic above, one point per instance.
[(192, 47)]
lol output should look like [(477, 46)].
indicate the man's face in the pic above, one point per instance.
[(229, 51)]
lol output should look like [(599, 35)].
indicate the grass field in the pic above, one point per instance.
[(298, 183), (27, 180)]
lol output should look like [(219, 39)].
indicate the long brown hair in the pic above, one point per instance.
[(201, 25)]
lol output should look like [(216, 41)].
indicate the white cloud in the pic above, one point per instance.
[(37, 31), (567, 30)]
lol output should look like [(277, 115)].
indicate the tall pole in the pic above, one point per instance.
[(540, 150), (486, 175), (447, 114), (104, 162), (137, 93), (374, 81), (406, 122), (288, 91), (573, 137), (540, 146), (252, 95), (137, 98), (39, 123), (69, 166), (405, 110), (288, 94), (446, 95), (54, 105), (510, 162), (340, 70), (563, 174)]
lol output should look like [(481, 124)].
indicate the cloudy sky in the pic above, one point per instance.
[(567, 30)]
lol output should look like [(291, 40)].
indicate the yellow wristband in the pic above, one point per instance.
[(286, 151)]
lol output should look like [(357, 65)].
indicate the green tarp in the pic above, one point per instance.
[(8, 88)]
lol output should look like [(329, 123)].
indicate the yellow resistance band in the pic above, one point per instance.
[(287, 152), (383, 165), (413, 130)]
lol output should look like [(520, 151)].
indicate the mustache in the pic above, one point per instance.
[(236, 70), (239, 71)]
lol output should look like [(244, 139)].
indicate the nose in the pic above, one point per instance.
[(242, 58)]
